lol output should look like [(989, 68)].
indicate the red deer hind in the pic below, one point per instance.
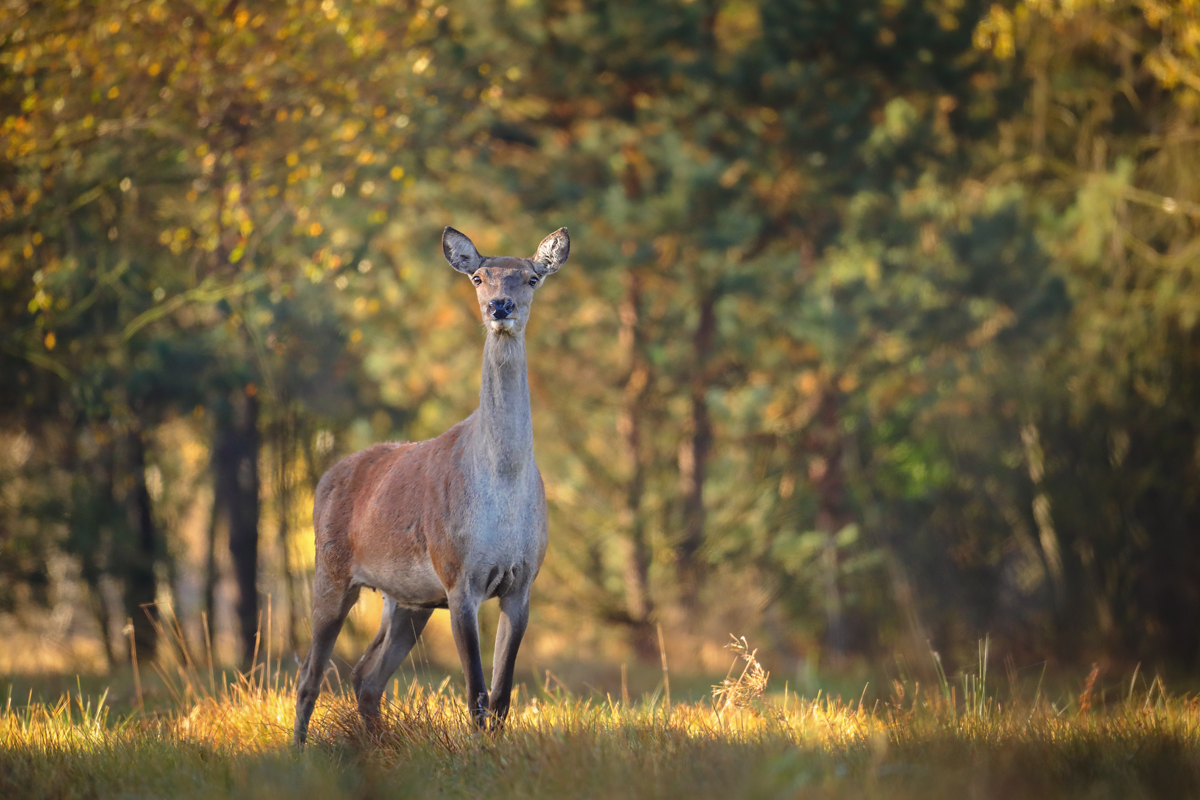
[(445, 523)]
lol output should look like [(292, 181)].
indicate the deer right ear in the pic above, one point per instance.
[(552, 252), (460, 252)]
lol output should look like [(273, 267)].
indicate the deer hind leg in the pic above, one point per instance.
[(464, 624), (514, 617), (331, 604), (398, 633)]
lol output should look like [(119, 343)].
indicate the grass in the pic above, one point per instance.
[(955, 739)]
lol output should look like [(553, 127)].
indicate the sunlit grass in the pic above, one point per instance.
[(232, 739)]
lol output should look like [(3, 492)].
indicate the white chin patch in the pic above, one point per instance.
[(501, 325)]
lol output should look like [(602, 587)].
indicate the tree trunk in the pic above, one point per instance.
[(693, 460), (825, 471), (140, 584), (98, 605), (835, 629), (93, 513), (284, 450), (210, 562), (1042, 515), (636, 556), (236, 461)]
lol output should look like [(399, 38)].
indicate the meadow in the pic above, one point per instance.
[(218, 736)]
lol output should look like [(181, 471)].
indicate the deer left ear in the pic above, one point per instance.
[(460, 252), (552, 252)]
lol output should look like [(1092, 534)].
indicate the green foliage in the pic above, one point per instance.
[(885, 310)]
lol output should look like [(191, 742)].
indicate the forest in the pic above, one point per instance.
[(878, 336)]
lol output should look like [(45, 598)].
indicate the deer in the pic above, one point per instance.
[(449, 522)]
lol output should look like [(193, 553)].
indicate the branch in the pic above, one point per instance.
[(45, 362), (204, 293)]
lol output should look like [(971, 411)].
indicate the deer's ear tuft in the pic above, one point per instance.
[(460, 252), (552, 252)]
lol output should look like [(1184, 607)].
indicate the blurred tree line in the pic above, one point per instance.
[(880, 326)]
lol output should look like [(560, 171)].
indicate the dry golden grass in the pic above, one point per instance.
[(233, 740)]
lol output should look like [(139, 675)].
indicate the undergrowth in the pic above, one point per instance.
[(232, 739)]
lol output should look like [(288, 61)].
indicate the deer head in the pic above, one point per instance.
[(504, 285)]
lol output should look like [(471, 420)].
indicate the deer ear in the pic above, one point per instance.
[(552, 252), (460, 252)]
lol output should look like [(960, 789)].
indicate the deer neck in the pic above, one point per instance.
[(505, 418)]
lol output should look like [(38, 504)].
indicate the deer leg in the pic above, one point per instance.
[(514, 616), (373, 647), (329, 612), (397, 635), (464, 623)]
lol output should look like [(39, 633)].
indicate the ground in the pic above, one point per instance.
[(215, 737)]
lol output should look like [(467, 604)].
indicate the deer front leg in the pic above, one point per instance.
[(514, 617), (464, 623)]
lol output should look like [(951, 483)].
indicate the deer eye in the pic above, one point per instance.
[(533, 281), (475, 279)]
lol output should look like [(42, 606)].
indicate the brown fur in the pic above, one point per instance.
[(367, 520)]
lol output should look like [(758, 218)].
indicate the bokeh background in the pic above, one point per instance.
[(879, 332)]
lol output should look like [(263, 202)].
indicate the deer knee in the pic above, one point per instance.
[(307, 693), (369, 703), (366, 685)]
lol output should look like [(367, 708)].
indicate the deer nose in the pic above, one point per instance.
[(502, 308)]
